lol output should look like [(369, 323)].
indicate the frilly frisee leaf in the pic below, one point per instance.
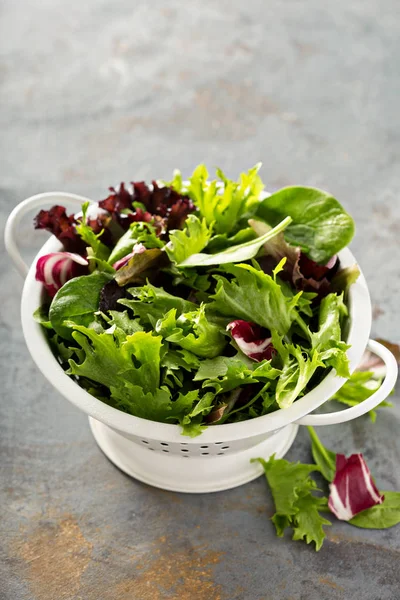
[(296, 505), (224, 202), (108, 361), (151, 303), (254, 296), (192, 331), (190, 240)]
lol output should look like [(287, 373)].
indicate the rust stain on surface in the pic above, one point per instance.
[(165, 573), (330, 583), (54, 555)]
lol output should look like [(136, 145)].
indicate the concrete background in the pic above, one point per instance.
[(96, 92)]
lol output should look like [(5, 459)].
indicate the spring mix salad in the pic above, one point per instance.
[(200, 302)]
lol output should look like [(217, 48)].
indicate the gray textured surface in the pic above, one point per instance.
[(95, 92)]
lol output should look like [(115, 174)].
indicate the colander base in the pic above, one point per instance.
[(195, 475)]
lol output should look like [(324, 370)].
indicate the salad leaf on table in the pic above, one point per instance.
[(384, 511), (295, 503)]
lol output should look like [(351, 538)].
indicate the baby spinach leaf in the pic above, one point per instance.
[(321, 226), (380, 516), (76, 302)]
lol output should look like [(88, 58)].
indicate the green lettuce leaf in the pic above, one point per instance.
[(321, 227), (225, 202), (191, 422), (254, 296), (221, 241), (135, 361), (234, 254), (141, 232), (344, 279), (192, 331), (327, 340), (295, 503), (298, 366), (84, 230), (191, 240), (151, 303)]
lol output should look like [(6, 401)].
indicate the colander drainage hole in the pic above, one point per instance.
[(165, 450), (163, 443), (205, 453), (218, 443), (184, 450), (220, 453), (203, 446), (145, 442), (224, 447)]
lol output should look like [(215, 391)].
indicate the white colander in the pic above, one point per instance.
[(157, 453)]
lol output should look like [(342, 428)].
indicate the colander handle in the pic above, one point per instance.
[(341, 416), (13, 221)]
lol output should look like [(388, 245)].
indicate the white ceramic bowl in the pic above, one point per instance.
[(220, 458)]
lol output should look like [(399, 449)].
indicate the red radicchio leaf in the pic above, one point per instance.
[(254, 341), (54, 269), (62, 226), (313, 277), (163, 205), (137, 249), (352, 489)]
